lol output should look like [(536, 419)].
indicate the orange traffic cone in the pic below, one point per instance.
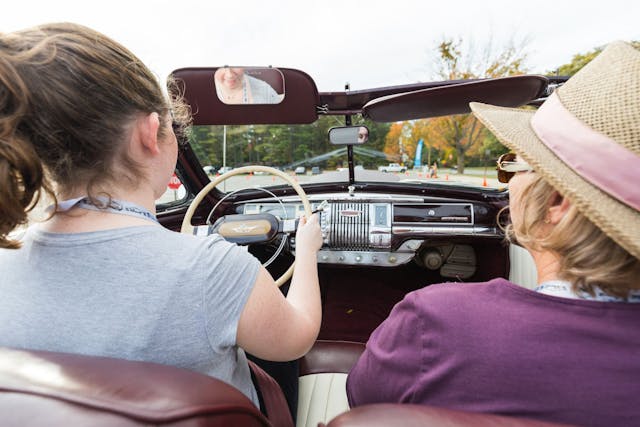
[(446, 177), (484, 182)]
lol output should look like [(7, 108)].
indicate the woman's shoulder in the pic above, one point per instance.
[(460, 291)]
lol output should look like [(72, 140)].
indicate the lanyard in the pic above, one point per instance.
[(560, 288), (121, 207)]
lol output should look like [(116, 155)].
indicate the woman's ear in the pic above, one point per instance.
[(147, 132), (558, 208)]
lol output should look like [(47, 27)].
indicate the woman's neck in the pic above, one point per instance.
[(547, 265), (78, 219)]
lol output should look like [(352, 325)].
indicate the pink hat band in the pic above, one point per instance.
[(595, 157)]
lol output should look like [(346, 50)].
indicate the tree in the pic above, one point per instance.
[(460, 133), (392, 141), (579, 60)]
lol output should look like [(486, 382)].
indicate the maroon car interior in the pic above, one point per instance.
[(275, 404), (355, 301), (197, 87), (393, 415), (505, 92), (39, 388), (331, 356)]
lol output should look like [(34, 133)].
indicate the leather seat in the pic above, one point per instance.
[(322, 382), (407, 415), (39, 388)]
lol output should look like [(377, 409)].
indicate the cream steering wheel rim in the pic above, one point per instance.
[(187, 228)]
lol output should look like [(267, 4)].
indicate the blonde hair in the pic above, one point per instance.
[(588, 257)]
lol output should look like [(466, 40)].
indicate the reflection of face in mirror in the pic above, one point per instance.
[(348, 135), (363, 135), (234, 85)]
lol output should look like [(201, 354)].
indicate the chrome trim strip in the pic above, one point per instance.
[(380, 259), (447, 230), (344, 197)]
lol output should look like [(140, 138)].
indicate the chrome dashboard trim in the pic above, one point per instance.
[(373, 258), (475, 230), (342, 197)]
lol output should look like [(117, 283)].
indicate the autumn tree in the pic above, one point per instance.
[(453, 61), (393, 146)]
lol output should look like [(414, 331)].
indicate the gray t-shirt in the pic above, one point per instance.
[(138, 293)]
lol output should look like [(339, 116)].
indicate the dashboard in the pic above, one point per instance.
[(390, 230)]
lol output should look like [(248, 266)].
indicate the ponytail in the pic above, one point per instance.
[(22, 178)]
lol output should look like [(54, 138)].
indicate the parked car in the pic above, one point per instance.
[(316, 170), (300, 170), (392, 167), (224, 169)]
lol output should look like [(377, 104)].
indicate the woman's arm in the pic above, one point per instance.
[(276, 328)]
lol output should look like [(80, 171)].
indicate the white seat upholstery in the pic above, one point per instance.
[(321, 397), (322, 393), (523, 269)]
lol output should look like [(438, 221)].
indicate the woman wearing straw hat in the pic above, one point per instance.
[(569, 351)]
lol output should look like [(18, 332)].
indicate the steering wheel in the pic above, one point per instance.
[(246, 224)]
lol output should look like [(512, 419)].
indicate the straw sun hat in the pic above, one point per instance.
[(585, 141)]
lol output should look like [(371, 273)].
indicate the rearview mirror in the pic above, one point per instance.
[(249, 85), (349, 135)]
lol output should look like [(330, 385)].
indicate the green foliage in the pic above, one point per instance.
[(276, 145), (579, 60), (454, 136)]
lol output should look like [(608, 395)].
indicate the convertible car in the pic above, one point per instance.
[(385, 234)]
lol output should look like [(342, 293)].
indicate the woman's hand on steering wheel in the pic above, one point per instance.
[(309, 235)]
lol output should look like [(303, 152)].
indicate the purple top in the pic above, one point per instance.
[(499, 348)]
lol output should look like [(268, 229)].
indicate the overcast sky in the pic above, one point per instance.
[(368, 43)]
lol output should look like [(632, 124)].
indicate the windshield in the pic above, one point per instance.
[(304, 152)]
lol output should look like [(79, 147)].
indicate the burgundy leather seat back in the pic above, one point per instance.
[(329, 356), (40, 388), (406, 415)]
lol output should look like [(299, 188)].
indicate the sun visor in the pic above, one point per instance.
[(454, 99), (253, 95)]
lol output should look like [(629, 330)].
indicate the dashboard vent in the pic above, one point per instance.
[(349, 229)]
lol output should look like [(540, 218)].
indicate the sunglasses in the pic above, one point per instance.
[(507, 166)]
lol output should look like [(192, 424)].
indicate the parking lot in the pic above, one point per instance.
[(472, 176)]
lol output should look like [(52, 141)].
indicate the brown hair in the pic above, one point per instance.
[(67, 97), (588, 257)]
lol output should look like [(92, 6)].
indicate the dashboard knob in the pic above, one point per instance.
[(432, 259), (393, 259), (358, 258)]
